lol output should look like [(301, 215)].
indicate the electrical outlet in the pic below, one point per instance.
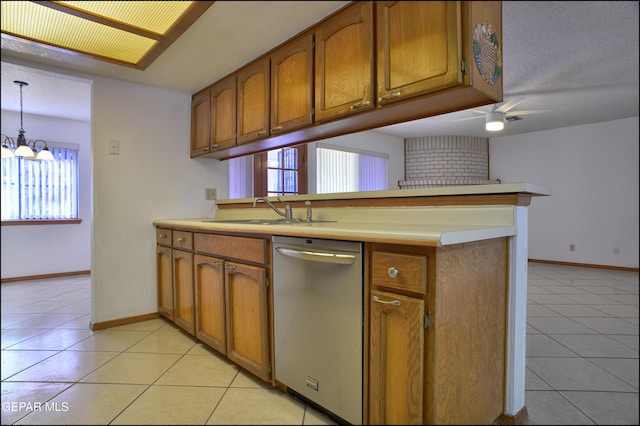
[(616, 250), (572, 247), (210, 194)]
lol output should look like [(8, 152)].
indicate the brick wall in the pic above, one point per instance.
[(446, 161)]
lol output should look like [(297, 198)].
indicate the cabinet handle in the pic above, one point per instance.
[(393, 272), (205, 149), (261, 133), (215, 145), (359, 105), (393, 302), (276, 129), (389, 96), (162, 236), (230, 268), (180, 239)]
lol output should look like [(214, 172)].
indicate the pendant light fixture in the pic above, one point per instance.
[(24, 148)]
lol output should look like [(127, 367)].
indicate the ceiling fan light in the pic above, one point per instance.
[(495, 121)]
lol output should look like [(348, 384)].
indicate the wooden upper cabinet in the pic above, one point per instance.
[(223, 113), (418, 45), (253, 101), (200, 123), (292, 85), (344, 63)]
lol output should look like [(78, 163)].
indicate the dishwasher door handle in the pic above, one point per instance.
[(318, 256)]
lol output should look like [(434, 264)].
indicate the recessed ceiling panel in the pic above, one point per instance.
[(147, 15), (131, 33)]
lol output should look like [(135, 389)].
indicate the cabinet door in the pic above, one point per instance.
[(165, 281), (291, 85), (344, 63), (418, 44), (396, 359), (253, 101), (209, 301), (223, 114), (247, 318), (200, 123), (183, 290)]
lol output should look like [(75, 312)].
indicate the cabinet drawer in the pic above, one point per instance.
[(163, 236), (401, 271), (241, 248), (183, 240)]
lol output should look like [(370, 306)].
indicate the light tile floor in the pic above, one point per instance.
[(582, 360)]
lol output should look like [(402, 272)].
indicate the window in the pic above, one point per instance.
[(281, 171), (41, 190), (347, 170)]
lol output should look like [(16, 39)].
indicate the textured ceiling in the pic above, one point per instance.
[(577, 60)]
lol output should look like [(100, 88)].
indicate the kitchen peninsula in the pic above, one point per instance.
[(444, 292)]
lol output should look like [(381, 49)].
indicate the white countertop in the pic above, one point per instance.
[(422, 225), (501, 188), (429, 234)]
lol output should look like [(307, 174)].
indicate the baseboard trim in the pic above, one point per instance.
[(122, 321), (43, 276), (518, 419), (585, 265)]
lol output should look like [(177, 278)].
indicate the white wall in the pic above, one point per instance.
[(593, 174), (153, 177), (48, 249), (369, 141)]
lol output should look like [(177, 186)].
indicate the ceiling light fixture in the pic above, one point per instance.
[(495, 121), (22, 147)]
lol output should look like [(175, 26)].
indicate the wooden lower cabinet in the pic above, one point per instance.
[(437, 333), (211, 321), (165, 281), (232, 312), (184, 311), (396, 354), (248, 318)]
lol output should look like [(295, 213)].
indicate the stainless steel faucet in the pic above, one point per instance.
[(287, 207), (308, 205)]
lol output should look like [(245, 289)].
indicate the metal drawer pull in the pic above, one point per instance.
[(230, 268), (276, 129), (393, 302), (360, 105), (261, 133), (393, 272), (162, 236), (180, 239), (389, 96)]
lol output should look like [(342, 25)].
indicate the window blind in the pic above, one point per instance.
[(41, 189)]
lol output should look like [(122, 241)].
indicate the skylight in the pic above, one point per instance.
[(129, 33)]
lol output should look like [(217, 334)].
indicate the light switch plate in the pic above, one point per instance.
[(114, 147)]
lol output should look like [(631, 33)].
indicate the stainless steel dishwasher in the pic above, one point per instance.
[(318, 322)]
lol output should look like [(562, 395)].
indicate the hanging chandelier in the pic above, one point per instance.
[(24, 148)]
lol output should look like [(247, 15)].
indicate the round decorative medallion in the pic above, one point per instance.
[(487, 53)]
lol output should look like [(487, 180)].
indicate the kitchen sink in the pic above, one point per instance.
[(266, 221)]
